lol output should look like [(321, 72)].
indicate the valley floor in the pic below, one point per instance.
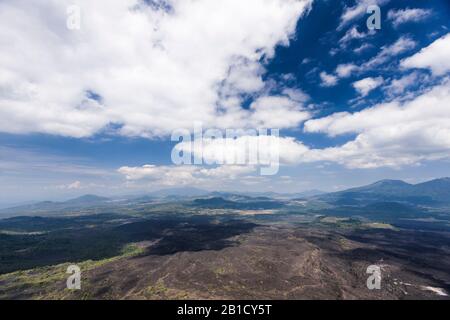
[(265, 262)]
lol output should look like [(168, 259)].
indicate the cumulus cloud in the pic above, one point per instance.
[(346, 70), (434, 57), (402, 16), (328, 80), (366, 85), (251, 150), (278, 112), (393, 134), (390, 134), (145, 68), (296, 95)]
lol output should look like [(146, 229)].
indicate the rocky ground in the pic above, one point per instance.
[(266, 262)]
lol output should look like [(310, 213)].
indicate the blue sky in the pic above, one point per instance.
[(92, 112)]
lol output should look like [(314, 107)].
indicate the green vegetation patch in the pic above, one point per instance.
[(38, 282)]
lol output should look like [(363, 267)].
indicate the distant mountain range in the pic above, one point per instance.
[(87, 199), (249, 204), (44, 206), (434, 192), (381, 193)]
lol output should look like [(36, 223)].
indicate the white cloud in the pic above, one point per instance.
[(296, 95), (398, 86), (252, 150), (74, 185), (277, 112), (244, 77), (403, 44), (350, 35), (328, 80), (357, 11), (154, 70), (402, 16), (390, 134), (366, 85), (184, 175), (362, 48), (306, 61), (346, 70), (434, 57), (394, 134), (170, 175), (227, 172)]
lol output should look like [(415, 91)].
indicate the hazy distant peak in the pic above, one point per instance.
[(87, 199), (388, 182)]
